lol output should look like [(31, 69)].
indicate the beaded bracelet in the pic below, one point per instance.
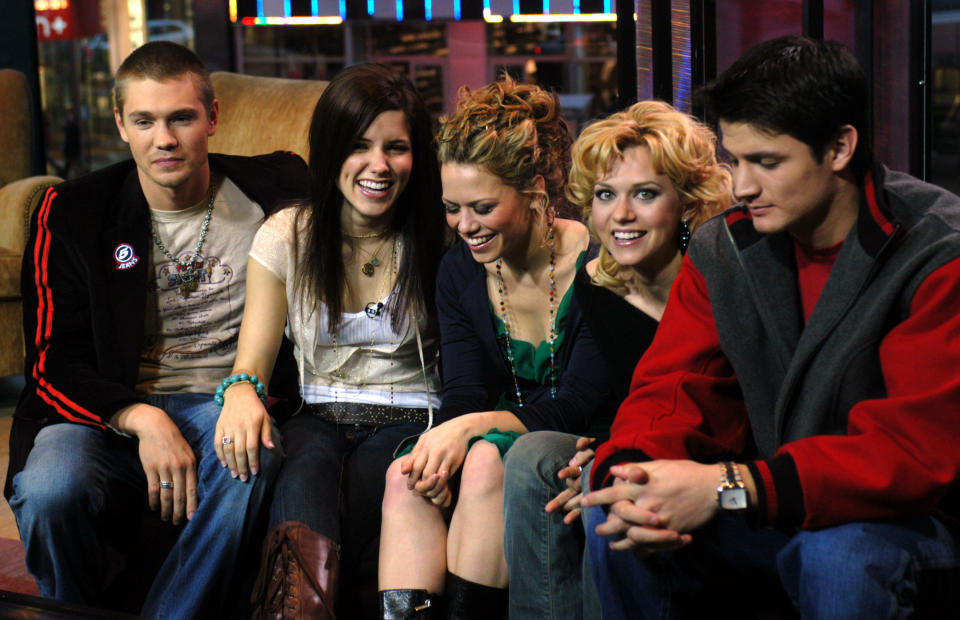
[(241, 378)]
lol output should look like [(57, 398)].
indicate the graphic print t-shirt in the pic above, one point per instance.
[(190, 337)]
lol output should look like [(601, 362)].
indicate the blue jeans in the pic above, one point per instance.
[(81, 485), (544, 555), (866, 570)]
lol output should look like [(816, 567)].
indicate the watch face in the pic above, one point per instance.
[(733, 499)]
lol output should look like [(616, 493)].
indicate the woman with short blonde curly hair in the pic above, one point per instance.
[(515, 352), (644, 177), (680, 148)]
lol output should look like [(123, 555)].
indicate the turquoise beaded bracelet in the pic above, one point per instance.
[(241, 378)]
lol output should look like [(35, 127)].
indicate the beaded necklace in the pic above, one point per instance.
[(188, 267), (552, 321)]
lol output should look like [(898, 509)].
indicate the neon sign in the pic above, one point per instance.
[(51, 5)]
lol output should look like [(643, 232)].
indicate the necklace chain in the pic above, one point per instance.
[(551, 322), (368, 235), (384, 286), (188, 268), (369, 267)]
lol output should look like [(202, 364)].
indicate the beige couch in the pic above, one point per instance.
[(262, 115), (20, 194)]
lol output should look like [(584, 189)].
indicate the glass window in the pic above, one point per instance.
[(744, 23), (945, 96), (838, 21), (577, 59), (76, 92), (304, 52)]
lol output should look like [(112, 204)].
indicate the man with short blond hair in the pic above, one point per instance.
[(133, 288)]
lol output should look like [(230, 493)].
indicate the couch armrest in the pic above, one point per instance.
[(18, 200)]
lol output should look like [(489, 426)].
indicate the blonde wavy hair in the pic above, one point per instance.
[(680, 147), (515, 132)]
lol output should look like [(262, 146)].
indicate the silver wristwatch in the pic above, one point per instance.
[(731, 494)]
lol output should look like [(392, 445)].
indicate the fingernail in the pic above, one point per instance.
[(190, 515), (243, 477), (253, 471), (223, 463), (233, 473)]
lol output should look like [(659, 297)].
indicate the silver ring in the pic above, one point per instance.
[(580, 467), (166, 484), (227, 440)]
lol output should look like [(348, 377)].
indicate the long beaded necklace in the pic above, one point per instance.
[(189, 268), (552, 322)]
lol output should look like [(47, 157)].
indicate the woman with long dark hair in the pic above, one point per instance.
[(350, 275)]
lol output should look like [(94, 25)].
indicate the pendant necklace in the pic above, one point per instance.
[(188, 268), (372, 314), (370, 266), (552, 322)]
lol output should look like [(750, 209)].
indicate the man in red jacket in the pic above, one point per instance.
[(792, 429)]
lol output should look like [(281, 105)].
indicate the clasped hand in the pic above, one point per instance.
[(243, 424), (655, 506), (436, 457), (568, 500)]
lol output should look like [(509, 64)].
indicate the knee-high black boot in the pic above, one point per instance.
[(408, 604), (467, 600)]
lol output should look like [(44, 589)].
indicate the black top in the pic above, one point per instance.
[(475, 372), (622, 332)]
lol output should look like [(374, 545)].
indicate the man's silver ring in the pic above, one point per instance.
[(227, 440), (166, 484), (580, 467)]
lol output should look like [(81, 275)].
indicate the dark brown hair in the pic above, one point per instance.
[(350, 103)]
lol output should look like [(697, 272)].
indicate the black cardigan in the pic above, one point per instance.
[(476, 373)]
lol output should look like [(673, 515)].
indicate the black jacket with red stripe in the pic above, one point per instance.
[(84, 284), (849, 417)]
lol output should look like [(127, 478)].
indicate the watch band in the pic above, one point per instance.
[(732, 493)]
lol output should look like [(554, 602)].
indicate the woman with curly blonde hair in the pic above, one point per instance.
[(515, 351), (645, 178)]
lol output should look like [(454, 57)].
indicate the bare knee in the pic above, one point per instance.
[(396, 495), (482, 472)]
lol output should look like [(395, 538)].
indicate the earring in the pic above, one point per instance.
[(684, 236)]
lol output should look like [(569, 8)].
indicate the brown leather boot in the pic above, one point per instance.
[(298, 575)]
